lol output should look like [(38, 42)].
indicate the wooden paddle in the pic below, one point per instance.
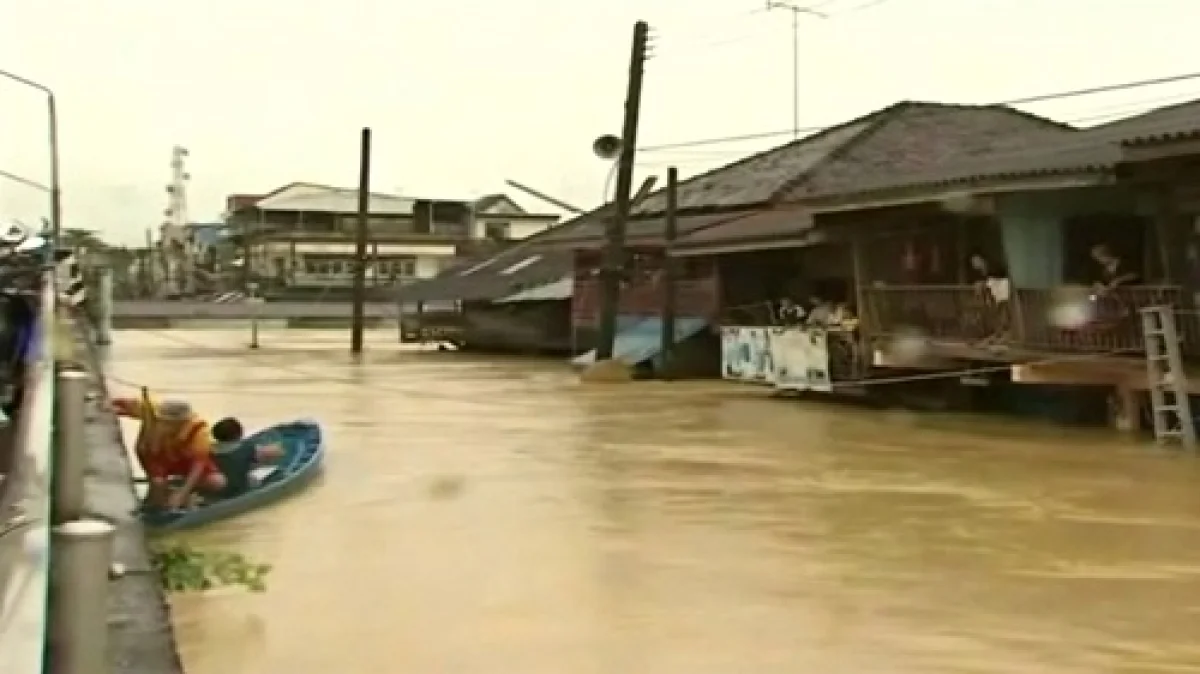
[(146, 434)]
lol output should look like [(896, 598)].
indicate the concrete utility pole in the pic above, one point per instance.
[(669, 273), (796, 12), (613, 267), (360, 245)]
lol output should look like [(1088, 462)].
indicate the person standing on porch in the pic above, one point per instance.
[(992, 282), (991, 279), (1113, 272)]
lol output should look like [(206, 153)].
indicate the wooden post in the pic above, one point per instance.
[(613, 265), (360, 245), (670, 227), (1126, 413)]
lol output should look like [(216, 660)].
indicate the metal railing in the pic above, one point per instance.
[(1109, 322), (185, 309), (1055, 320), (959, 312), (25, 518)]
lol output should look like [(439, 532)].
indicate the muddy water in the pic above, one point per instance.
[(483, 515)]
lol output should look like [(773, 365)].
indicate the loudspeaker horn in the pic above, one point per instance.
[(607, 146)]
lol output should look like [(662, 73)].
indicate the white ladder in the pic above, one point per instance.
[(1165, 378)]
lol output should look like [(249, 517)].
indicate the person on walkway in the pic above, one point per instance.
[(174, 445)]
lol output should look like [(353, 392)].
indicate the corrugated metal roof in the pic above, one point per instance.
[(313, 198), (487, 280), (562, 289)]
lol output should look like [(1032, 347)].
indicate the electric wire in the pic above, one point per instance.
[(1061, 143), (1040, 98)]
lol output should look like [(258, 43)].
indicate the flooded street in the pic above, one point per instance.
[(488, 515)]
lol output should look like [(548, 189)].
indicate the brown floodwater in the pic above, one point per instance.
[(482, 515)]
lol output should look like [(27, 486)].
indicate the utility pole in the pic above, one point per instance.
[(613, 267), (670, 231), (796, 12), (247, 249), (360, 244)]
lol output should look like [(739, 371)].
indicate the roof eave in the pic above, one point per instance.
[(917, 193), (1152, 149), (750, 244)]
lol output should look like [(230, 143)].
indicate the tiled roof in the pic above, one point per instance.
[(917, 137), (758, 179), (1095, 150), (751, 226), (905, 138), (1173, 122)]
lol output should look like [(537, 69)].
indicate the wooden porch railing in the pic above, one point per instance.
[(1108, 324), (1032, 319), (940, 312)]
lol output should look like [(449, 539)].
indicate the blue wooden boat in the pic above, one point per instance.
[(250, 486)]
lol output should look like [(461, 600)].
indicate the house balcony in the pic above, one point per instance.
[(1034, 320)]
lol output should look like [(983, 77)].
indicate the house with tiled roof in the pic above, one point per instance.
[(738, 205), (1038, 206)]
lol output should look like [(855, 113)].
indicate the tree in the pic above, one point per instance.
[(83, 240)]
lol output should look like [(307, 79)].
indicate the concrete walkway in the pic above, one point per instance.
[(141, 638)]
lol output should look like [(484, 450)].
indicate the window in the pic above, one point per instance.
[(497, 231), (396, 267), (325, 266)]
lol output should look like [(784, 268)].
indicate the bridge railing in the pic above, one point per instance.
[(25, 503), (184, 309)]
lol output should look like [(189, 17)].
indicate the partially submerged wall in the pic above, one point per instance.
[(141, 638)]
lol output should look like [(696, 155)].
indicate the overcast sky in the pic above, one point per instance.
[(465, 94)]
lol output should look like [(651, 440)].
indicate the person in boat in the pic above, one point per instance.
[(178, 446), (235, 459), (174, 446)]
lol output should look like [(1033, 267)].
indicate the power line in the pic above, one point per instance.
[(1059, 144), (1097, 116), (866, 5), (1041, 98)]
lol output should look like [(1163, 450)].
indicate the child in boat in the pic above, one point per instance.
[(236, 465), (174, 445)]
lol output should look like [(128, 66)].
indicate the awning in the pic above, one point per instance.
[(642, 341), (561, 289)]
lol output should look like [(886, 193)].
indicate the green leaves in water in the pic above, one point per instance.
[(182, 568)]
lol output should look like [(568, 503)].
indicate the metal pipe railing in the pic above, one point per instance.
[(26, 507)]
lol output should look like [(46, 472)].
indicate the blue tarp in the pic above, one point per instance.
[(642, 340)]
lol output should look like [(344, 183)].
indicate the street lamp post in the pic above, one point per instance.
[(796, 12), (54, 187)]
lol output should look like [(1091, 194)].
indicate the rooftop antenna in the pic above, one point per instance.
[(796, 11)]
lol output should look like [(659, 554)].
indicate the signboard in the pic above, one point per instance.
[(746, 354), (415, 330), (801, 358)]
